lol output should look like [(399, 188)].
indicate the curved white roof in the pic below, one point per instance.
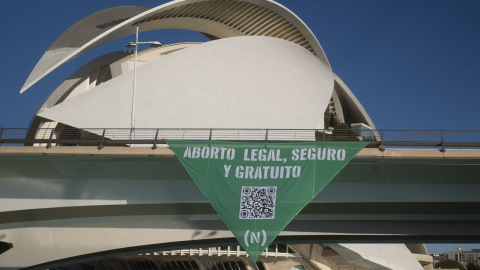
[(239, 82), (217, 18)]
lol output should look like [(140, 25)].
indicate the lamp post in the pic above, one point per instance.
[(134, 45)]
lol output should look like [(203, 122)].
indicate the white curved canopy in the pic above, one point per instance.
[(67, 46), (239, 82), (217, 18)]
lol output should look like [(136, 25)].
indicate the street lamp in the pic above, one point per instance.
[(134, 45)]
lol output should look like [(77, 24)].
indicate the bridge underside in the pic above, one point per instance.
[(69, 204)]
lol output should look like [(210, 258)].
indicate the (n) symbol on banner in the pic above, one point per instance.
[(255, 237)]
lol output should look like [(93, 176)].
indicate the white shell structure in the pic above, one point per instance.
[(217, 19), (254, 82)]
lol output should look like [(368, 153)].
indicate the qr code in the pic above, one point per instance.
[(258, 202)]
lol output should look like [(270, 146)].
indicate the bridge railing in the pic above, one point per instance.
[(153, 137), (274, 250)]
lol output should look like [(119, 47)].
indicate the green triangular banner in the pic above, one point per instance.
[(258, 188)]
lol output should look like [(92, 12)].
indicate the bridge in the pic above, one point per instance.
[(91, 202)]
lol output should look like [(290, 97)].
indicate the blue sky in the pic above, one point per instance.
[(412, 64)]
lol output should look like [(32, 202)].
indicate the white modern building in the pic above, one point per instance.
[(263, 69), (262, 56)]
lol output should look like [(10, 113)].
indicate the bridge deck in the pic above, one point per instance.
[(97, 200)]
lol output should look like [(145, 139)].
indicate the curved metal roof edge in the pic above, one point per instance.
[(101, 20), (310, 35), (357, 103), (43, 68)]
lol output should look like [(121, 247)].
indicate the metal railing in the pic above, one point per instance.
[(273, 250), (381, 138)]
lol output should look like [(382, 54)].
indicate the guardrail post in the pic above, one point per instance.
[(210, 135), (155, 141), (100, 146), (1, 133), (382, 141), (442, 143), (323, 135), (266, 135), (49, 144)]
